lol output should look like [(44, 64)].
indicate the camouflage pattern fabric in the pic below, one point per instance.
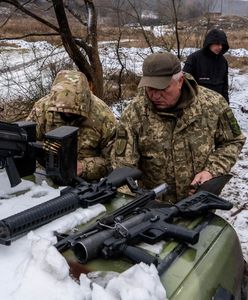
[(70, 93), (200, 134)]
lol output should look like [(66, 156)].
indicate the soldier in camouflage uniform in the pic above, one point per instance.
[(176, 131), (71, 102)]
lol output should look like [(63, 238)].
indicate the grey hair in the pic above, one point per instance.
[(177, 76)]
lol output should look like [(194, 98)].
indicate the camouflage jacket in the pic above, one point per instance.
[(70, 93), (173, 146)]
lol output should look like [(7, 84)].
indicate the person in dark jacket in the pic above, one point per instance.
[(208, 65)]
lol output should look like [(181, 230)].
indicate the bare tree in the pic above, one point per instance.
[(176, 4), (82, 50), (139, 19)]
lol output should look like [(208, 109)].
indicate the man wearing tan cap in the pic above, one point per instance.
[(176, 131)]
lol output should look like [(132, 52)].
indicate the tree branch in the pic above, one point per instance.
[(74, 13), (28, 35), (29, 13), (141, 25), (85, 56), (68, 41)]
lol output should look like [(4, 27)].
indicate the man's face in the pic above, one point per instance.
[(69, 117), (166, 98), (216, 48)]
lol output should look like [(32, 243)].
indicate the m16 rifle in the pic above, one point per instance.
[(144, 198), (118, 235), (19, 152), (82, 195)]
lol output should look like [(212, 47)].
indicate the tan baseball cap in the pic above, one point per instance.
[(158, 69)]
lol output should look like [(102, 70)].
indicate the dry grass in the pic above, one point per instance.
[(191, 32), (25, 26), (22, 26), (235, 27), (238, 62), (238, 39)]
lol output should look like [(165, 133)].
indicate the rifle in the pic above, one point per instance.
[(71, 198), (14, 143), (65, 241), (148, 225), (19, 152), (143, 198)]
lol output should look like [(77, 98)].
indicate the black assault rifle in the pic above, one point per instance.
[(65, 241), (117, 235), (82, 195), (143, 198), (19, 152)]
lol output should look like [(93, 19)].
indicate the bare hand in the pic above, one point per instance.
[(79, 168), (198, 180)]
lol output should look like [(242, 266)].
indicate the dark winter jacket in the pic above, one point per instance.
[(209, 69)]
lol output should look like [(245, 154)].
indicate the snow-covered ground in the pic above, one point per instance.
[(236, 190), (33, 269), (18, 75)]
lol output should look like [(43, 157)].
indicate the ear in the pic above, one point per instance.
[(180, 81)]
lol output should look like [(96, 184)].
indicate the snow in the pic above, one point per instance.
[(33, 268), (18, 75), (236, 191)]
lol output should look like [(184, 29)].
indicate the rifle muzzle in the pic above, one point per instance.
[(89, 248)]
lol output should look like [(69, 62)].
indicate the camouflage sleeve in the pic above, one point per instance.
[(229, 141), (125, 150), (96, 167), (37, 115)]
